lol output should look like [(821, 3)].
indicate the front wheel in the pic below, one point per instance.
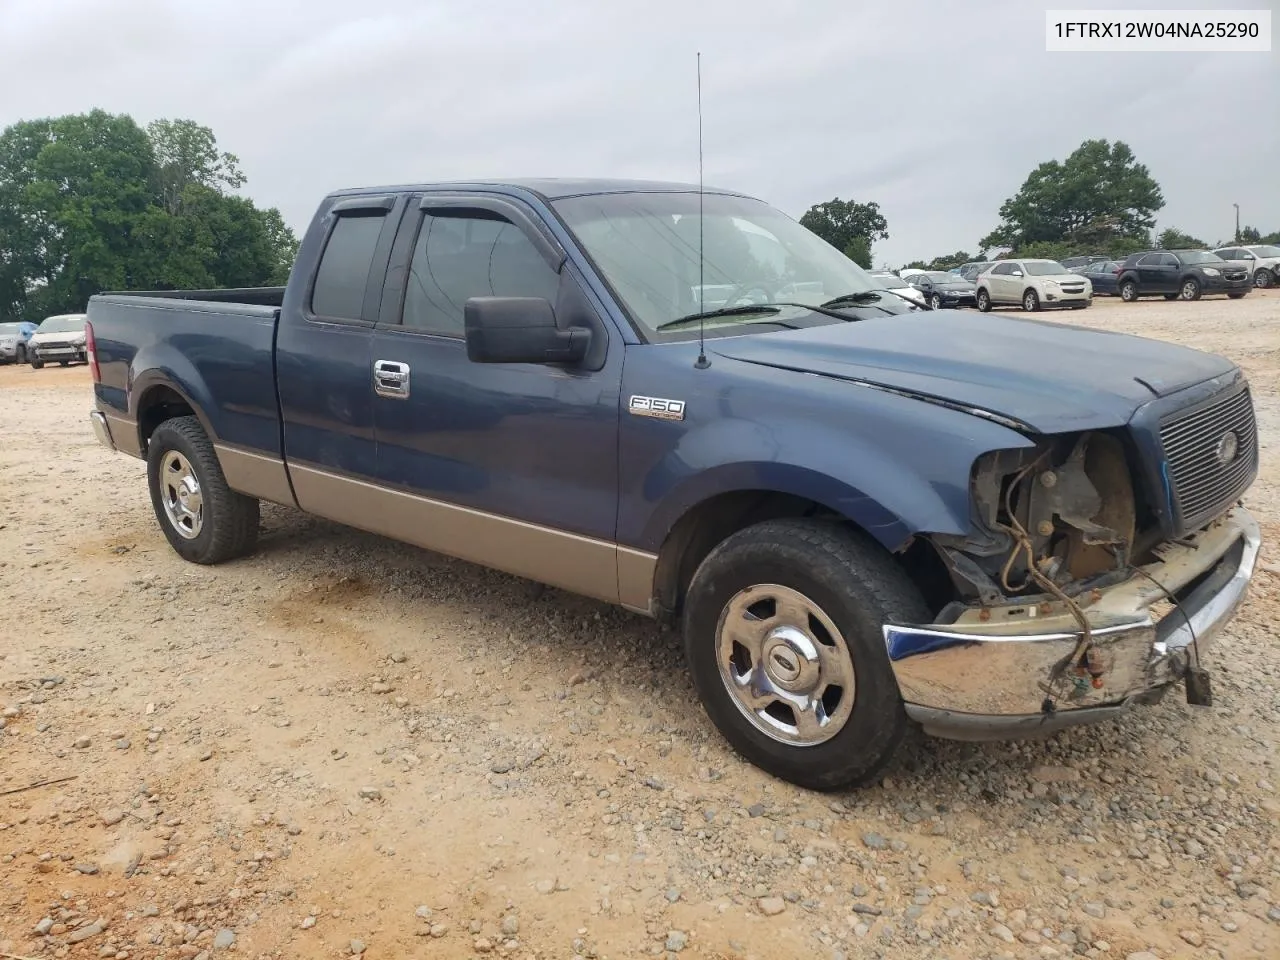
[(1263, 278), (204, 520), (1190, 289), (36, 363), (1030, 301), (984, 301), (21, 355), (935, 302), (783, 635), (1129, 291)]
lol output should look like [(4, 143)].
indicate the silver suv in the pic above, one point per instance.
[(1261, 260), (59, 339), (1033, 284)]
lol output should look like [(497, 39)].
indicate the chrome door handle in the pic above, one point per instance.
[(391, 379)]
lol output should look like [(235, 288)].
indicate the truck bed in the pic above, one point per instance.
[(215, 351)]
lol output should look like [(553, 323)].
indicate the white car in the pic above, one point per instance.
[(908, 272), (895, 284), (1033, 285), (58, 339), (1261, 260)]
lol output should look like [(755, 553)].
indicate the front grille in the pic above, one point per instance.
[(1202, 485), (1073, 288), (54, 345), (1236, 275)]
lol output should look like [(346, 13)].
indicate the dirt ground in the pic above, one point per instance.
[(342, 745)]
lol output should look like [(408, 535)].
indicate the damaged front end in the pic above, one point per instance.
[(1068, 602)]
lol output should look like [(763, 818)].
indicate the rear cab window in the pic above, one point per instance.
[(343, 275)]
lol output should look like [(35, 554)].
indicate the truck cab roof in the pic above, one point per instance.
[(549, 188)]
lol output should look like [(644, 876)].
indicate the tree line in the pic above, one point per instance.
[(1100, 200), (92, 202)]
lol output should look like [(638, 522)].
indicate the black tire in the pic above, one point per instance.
[(36, 363), (1189, 289), (229, 525), (1263, 278), (983, 300), (858, 587), (64, 363), (1237, 296), (1129, 291), (1030, 300), (21, 355), (935, 302)]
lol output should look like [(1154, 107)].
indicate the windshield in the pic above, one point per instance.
[(888, 281), (1200, 256), (1045, 268), (62, 324), (9, 328), (1265, 250), (646, 245), (937, 276)]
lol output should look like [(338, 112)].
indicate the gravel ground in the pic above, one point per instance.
[(344, 746)]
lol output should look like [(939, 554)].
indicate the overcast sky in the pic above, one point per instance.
[(937, 109)]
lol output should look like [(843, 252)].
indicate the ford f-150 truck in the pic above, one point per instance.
[(862, 514)]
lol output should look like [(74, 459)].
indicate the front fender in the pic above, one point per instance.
[(894, 465)]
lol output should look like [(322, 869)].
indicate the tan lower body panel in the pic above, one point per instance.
[(583, 565), (124, 433), (255, 474)]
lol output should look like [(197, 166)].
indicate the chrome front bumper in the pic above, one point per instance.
[(1000, 674)]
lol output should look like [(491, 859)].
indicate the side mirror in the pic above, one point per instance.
[(520, 330), (1016, 273)]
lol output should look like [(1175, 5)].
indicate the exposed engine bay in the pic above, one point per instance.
[(1055, 520)]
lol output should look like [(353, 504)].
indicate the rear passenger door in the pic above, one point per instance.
[(1000, 281), (1158, 273), (511, 465), (322, 356)]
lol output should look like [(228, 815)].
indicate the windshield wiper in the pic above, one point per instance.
[(865, 296), (746, 308)]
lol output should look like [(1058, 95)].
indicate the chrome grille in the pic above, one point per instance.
[(1202, 485)]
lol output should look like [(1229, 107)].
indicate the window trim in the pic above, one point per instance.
[(390, 315), (383, 207)]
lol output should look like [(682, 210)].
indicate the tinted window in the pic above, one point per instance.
[(473, 255), (1045, 268), (344, 267)]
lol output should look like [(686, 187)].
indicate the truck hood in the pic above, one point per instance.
[(1050, 377)]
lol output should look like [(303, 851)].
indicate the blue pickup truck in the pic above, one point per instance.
[(862, 514)]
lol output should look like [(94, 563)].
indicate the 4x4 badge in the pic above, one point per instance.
[(658, 407)]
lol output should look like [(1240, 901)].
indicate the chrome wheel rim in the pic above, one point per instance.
[(785, 665), (936, 302), (1128, 292), (1262, 279), (1188, 290), (180, 494), (1029, 302)]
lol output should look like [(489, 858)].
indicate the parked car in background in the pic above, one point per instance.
[(1181, 273), (943, 290), (906, 273), (59, 339), (1076, 264), (895, 284), (971, 271), (1262, 262), (1104, 275), (13, 341), (1033, 284)]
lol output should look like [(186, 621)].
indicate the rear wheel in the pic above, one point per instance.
[(1190, 289), (984, 300), (1263, 278), (21, 355), (204, 520), (1129, 291), (783, 634), (1030, 301)]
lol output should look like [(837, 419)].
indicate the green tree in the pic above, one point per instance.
[(1250, 235), (1100, 192), (186, 154), (1175, 239), (88, 203), (1271, 238), (848, 226)]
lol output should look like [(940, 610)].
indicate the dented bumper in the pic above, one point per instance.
[(988, 675)]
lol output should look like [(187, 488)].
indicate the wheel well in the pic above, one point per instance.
[(158, 405), (708, 524)]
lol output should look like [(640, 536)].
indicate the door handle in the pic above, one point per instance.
[(391, 379)]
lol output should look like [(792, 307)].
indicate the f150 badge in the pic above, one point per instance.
[(658, 407)]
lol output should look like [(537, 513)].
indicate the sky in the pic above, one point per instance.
[(936, 110)]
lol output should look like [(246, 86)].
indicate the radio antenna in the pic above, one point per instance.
[(702, 362)]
